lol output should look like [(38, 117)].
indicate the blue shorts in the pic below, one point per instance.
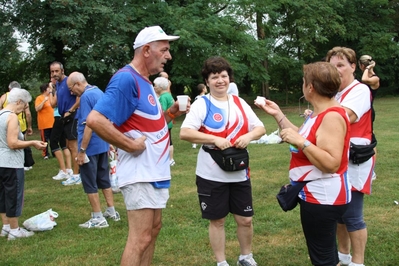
[(217, 199), (95, 174), (353, 217), (11, 191)]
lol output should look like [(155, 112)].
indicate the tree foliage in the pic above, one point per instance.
[(9, 54), (266, 41)]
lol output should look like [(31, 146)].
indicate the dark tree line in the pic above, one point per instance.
[(266, 41)]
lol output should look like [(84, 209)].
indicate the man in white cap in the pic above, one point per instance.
[(139, 130)]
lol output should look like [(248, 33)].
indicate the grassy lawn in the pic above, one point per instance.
[(278, 238)]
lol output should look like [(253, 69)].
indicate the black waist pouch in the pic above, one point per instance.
[(361, 153), (230, 159)]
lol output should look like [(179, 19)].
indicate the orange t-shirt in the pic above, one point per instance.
[(45, 117)]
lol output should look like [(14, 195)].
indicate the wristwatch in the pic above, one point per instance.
[(306, 144), (81, 150)]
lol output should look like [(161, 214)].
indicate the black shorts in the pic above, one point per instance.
[(217, 199), (71, 130), (170, 137), (57, 138), (11, 191)]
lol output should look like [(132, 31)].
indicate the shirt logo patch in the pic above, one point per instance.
[(217, 117), (151, 100)]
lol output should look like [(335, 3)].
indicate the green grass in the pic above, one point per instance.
[(278, 238)]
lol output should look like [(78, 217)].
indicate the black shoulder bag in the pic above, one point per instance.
[(288, 195)]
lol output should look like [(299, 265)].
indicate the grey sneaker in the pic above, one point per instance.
[(116, 217), (95, 223), (21, 234), (248, 261), (4, 232)]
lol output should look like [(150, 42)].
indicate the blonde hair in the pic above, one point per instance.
[(365, 60), (342, 52)]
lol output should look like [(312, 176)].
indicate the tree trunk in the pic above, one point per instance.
[(261, 36)]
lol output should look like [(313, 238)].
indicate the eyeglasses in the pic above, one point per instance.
[(70, 89)]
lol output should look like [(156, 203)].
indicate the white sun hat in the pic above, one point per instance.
[(152, 34)]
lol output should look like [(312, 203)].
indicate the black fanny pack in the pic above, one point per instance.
[(361, 153), (230, 159)]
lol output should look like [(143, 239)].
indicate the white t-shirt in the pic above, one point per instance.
[(232, 89), (210, 116), (358, 99)]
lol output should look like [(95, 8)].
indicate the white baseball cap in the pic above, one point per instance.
[(152, 34)]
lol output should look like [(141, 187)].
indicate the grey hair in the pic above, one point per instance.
[(19, 94), (58, 63), (162, 83), (14, 84)]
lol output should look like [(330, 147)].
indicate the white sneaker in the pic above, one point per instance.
[(4, 232), (78, 180), (172, 162), (61, 175), (374, 177), (21, 234), (72, 180), (95, 223), (27, 168), (248, 261), (116, 217), (194, 146)]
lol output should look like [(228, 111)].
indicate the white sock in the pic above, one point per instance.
[(344, 258), (220, 263), (241, 257), (355, 264), (97, 215), (111, 210)]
